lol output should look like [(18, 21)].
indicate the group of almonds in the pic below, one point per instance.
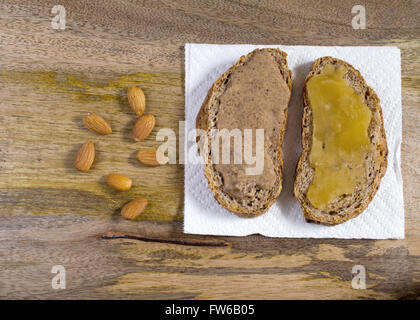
[(149, 157)]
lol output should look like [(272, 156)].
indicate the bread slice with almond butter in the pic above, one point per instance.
[(344, 154), (253, 94)]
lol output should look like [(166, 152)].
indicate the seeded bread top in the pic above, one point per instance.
[(252, 198), (346, 206)]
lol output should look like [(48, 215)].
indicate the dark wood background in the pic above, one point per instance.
[(50, 214)]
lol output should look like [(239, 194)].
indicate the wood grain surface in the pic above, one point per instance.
[(50, 214)]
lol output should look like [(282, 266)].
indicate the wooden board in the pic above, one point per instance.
[(50, 214)]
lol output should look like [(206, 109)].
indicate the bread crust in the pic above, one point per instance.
[(347, 206), (202, 122)]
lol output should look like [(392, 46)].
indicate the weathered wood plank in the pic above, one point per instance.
[(50, 214)]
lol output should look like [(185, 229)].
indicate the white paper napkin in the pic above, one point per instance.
[(384, 217)]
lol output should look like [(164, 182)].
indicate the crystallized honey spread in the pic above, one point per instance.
[(340, 139)]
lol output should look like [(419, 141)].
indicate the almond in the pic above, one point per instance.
[(96, 123), (136, 99), (119, 181), (143, 127), (85, 156), (132, 209), (151, 157)]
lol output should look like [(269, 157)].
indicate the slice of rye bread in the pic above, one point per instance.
[(346, 206), (261, 200)]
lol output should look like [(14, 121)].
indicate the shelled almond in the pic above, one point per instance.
[(143, 127), (136, 99), (134, 208), (151, 157), (85, 156), (96, 123), (119, 181)]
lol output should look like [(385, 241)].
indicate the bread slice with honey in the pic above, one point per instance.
[(253, 94), (344, 145)]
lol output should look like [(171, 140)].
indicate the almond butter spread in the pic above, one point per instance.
[(255, 98)]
